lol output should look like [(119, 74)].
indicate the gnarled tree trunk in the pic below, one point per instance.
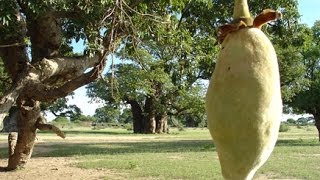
[(29, 113)]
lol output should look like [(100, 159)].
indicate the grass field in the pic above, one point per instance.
[(187, 154)]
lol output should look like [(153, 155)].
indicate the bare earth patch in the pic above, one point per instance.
[(58, 168), (51, 168)]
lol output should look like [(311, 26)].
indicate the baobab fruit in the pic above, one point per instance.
[(243, 101)]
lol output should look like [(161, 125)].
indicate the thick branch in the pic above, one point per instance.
[(68, 67), (41, 125), (50, 127), (44, 70), (42, 92), (9, 98)]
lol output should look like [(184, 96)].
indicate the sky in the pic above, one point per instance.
[(308, 9)]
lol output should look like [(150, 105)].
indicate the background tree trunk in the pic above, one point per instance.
[(161, 123), (150, 116), (317, 123), (138, 125), (29, 113)]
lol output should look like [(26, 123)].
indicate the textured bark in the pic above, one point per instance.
[(12, 142), (137, 116), (317, 123), (46, 36), (150, 116), (29, 113), (161, 123)]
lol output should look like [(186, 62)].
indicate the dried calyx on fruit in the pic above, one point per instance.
[(243, 102)]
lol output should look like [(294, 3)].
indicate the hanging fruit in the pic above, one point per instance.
[(243, 102)]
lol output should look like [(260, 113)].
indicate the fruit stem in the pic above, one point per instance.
[(241, 9)]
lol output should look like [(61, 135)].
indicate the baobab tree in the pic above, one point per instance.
[(35, 47)]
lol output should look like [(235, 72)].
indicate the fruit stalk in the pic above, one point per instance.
[(241, 9)]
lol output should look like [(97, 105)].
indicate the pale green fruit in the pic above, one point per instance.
[(243, 103)]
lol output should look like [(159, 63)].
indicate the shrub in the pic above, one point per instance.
[(284, 127), (61, 122)]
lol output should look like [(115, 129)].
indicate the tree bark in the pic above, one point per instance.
[(161, 123), (317, 123), (29, 113), (12, 142), (137, 116), (150, 116)]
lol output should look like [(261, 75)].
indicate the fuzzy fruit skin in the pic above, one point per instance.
[(243, 103)]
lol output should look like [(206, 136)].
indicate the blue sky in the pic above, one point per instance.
[(308, 9)]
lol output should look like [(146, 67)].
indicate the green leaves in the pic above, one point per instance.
[(308, 99)]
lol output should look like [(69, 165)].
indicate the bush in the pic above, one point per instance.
[(284, 127), (291, 121), (61, 122)]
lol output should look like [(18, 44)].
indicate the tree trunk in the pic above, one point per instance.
[(137, 116), (317, 123), (12, 142), (161, 123), (150, 117), (29, 113), (150, 127)]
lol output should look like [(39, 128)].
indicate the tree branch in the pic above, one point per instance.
[(49, 127), (11, 45), (34, 77), (41, 92)]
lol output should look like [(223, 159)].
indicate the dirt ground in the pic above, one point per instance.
[(47, 168), (59, 168)]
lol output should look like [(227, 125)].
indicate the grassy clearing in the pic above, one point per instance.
[(186, 154)]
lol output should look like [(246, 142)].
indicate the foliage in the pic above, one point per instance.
[(308, 99), (84, 118), (126, 116), (284, 127), (291, 121), (107, 114), (61, 108), (182, 52), (61, 122)]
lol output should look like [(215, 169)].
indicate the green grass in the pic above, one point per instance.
[(187, 154)]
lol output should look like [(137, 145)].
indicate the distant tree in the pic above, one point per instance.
[(61, 122), (60, 108), (107, 114), (308, 99), (84, 118), (126, 116)]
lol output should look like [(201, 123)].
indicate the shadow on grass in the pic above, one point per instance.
[(88, 132), (112, 148), (108, 148), (68, 150)]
